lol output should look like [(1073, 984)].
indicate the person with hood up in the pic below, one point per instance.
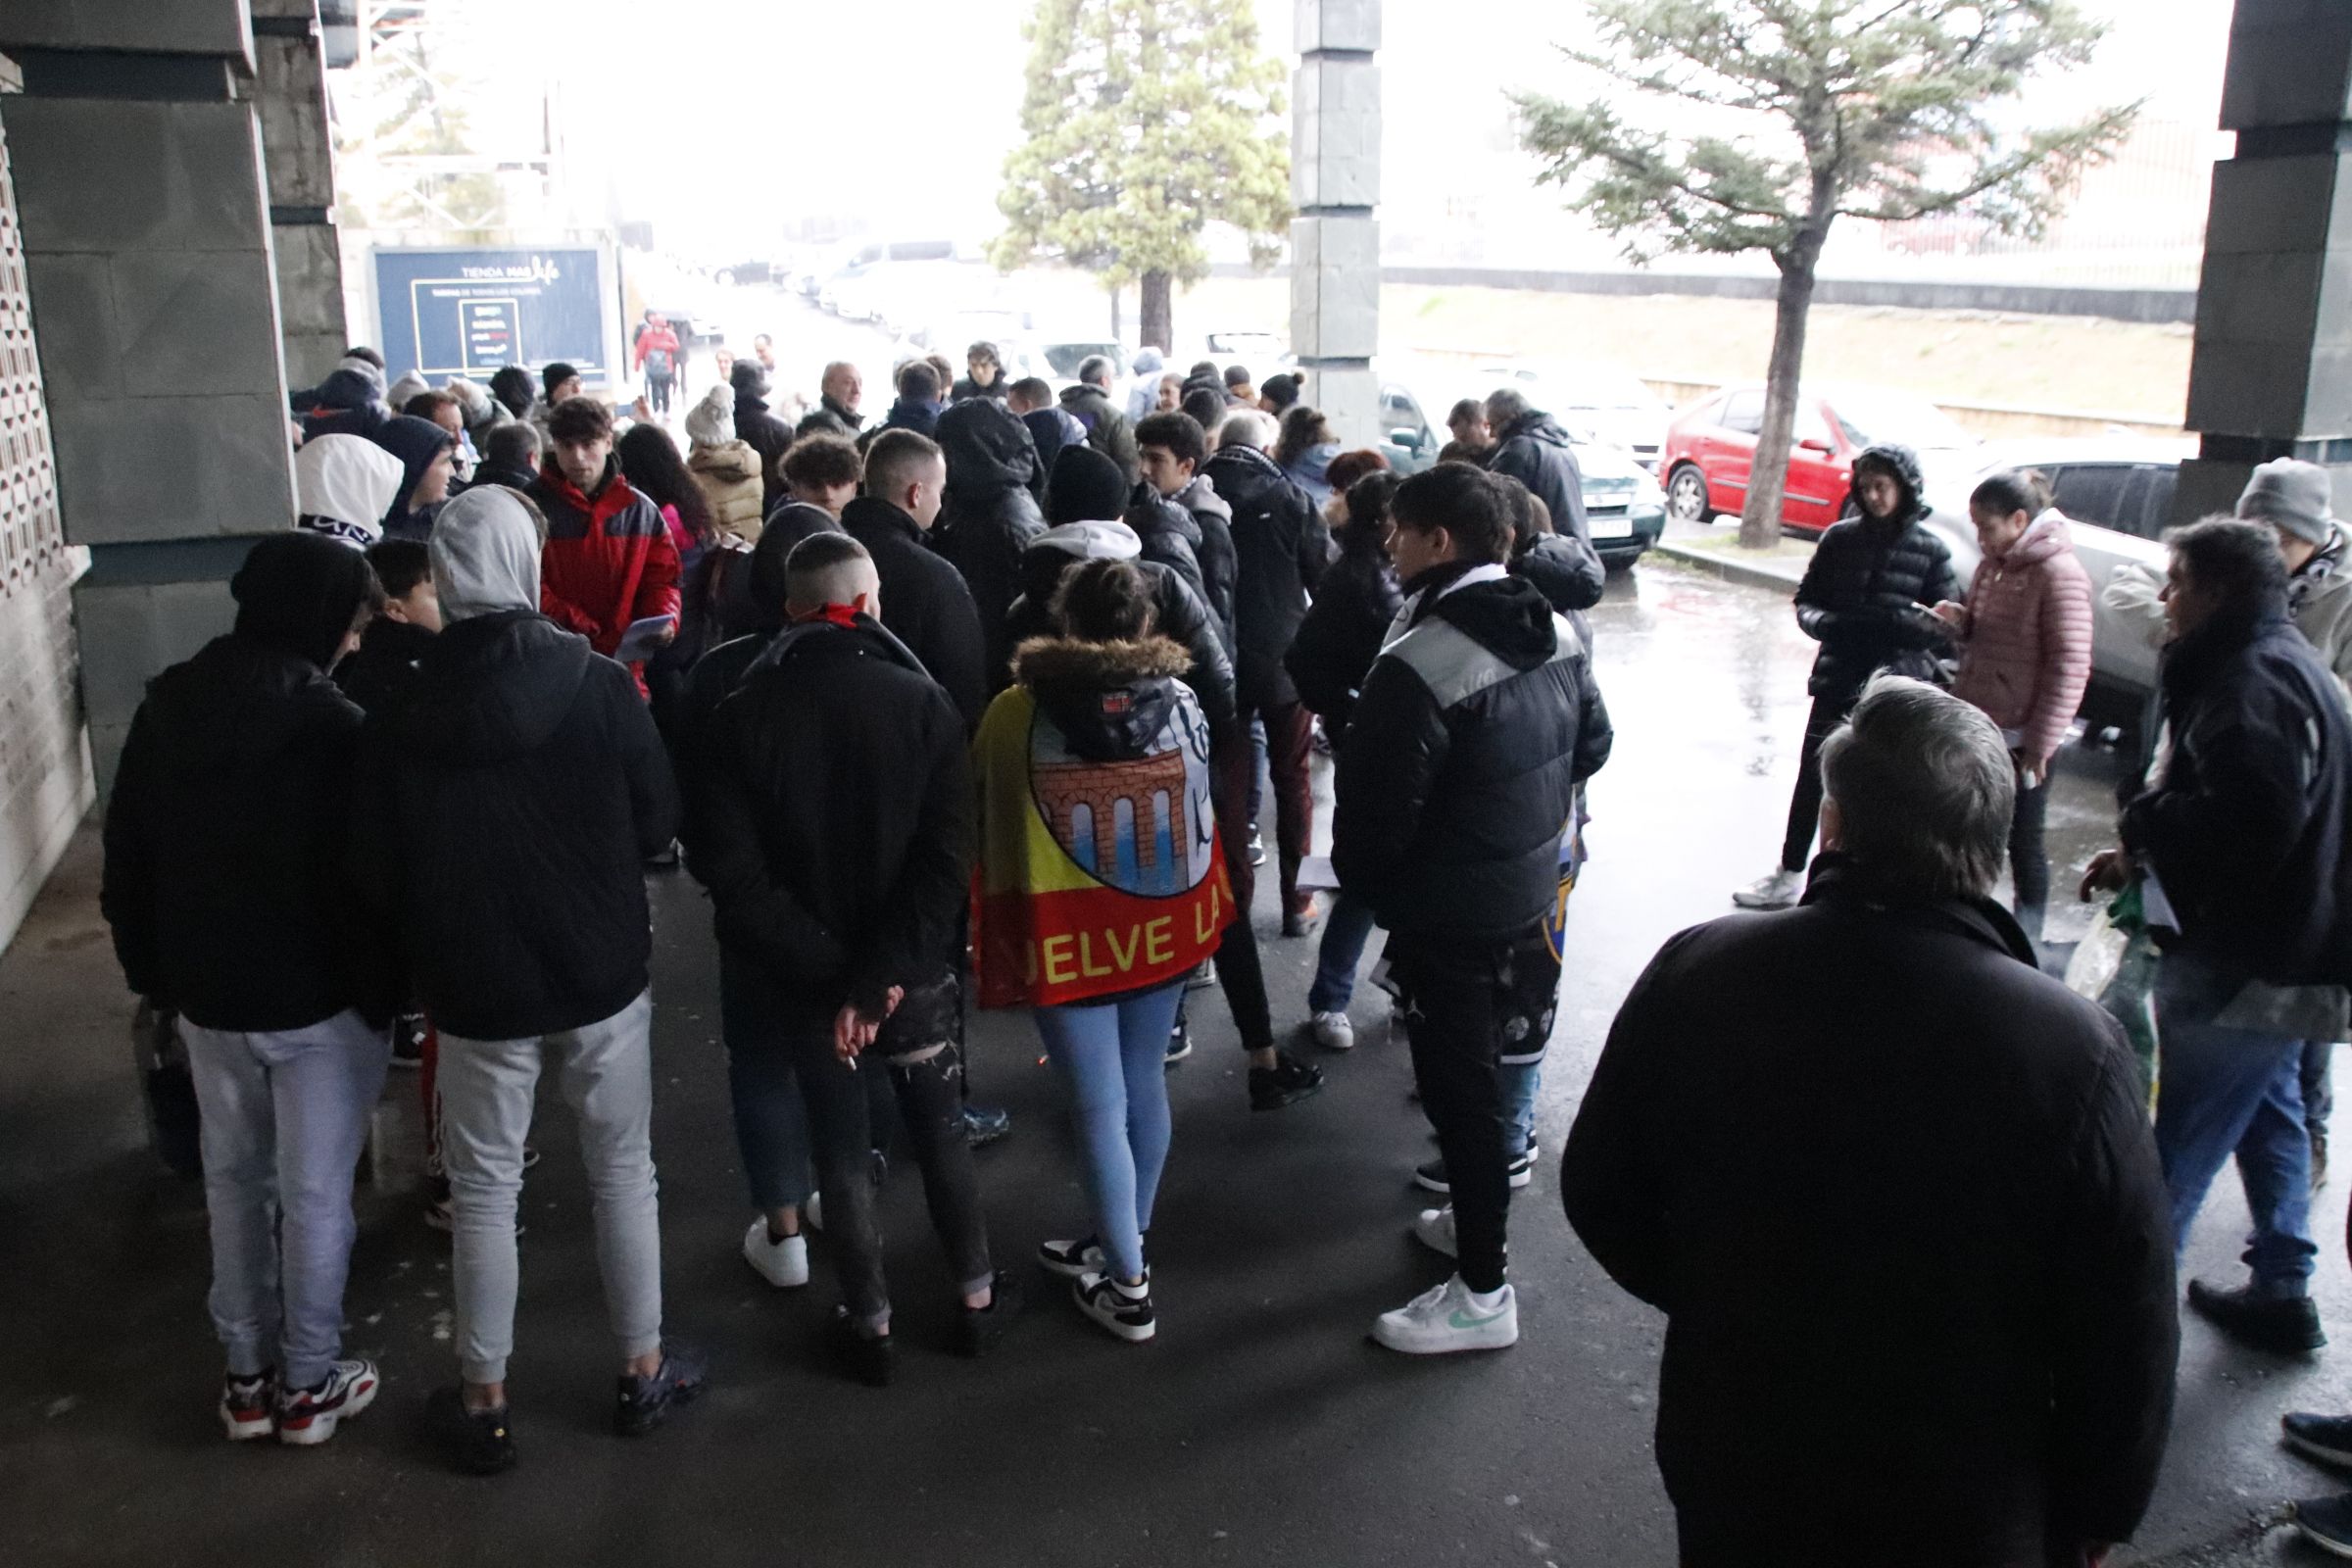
[(610, 559), (1305, 450), (840, 891), (1094, 917), (228, 838), (2023, 636), (349, 402), (1281, 548), (365, 362), (984, 374), (405, 388), (507, 803), (1143, 391), (428, 458), (765, 434), (1866, 597), (1106, 428), (1171, 450), (1457, 779), (1533, 448), (513, 387), (725, 465), (990, 515), (919, 403), (344, 485)]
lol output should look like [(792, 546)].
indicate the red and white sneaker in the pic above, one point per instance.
[(308, 1416), (249, 1405)]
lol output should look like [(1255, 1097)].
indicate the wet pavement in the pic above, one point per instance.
[(1259, 1428)]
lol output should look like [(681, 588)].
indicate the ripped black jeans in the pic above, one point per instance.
[(919, 1049)]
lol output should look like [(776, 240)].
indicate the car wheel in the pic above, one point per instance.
[(1687, 494)]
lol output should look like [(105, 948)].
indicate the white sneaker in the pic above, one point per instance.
[(783, 1264), (307, 1417), (1333, 1031), (812, 1212), (1779, 891), (1444, 1319), (1435, 1230)]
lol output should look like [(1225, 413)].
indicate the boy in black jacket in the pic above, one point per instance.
[(225, 852)]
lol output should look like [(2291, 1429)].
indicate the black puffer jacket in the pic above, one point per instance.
[(924, 603), (385, 666), (1106, 428), (1180, 617), (1354, 603), (1862, 590), (228, 847), (1280, 549), (508, 804), (1568, 573), (1171, 536), (2248, 829), (1221, 573), (830, 812), (990, 515), (1462, 761), (768, 436), (1930, 1280), (1534, 450)]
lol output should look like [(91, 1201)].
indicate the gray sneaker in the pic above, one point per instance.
[(1779, 891)]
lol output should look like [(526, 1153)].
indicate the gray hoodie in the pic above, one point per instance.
[(485, 553)]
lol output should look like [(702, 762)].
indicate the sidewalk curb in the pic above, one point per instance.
[(1749, 575)]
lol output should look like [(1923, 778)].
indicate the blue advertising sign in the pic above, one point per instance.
[(467, 312)]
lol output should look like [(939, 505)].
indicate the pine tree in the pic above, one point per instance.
[(1145, 121)]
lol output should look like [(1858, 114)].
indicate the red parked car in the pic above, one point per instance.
[(1711, 445)]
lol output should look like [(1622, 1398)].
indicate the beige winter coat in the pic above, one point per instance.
[(729, 474)]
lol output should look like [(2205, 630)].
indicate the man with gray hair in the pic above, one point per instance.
[(1107, 432), (1531, 446), (1895, 1192)]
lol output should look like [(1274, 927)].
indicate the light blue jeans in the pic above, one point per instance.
[(1113, 1057), (2225, 1091), (1520, 1080), (284, 1119)]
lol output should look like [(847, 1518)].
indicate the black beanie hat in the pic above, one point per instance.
[(748, 380), (301, 592), (554, 375), (1085, 487)]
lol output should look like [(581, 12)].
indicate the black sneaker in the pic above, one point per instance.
[(1109, 1303), (1286, 1082), (1180, 1044), (2326, 1437), (2283, 1325), (408, 1040), (478, 1443), (2328, 1522), (646, 1403), (1071, 1259), (1431, 1177), (870, 1358), (978, 1329), (984, 1125)]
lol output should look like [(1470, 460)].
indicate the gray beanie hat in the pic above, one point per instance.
[(2290, 494), (712, 422)]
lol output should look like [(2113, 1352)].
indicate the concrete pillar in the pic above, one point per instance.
[(1334, 241), (2271, 372), (147, 246), (289, 93)]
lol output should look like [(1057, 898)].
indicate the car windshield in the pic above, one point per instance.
[(1875, 415), (1065, 358)]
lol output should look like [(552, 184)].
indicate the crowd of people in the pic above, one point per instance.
[(979, 703)]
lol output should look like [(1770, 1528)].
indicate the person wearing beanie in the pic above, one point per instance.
[(349, 402), (228, 838), (990, 514), (428, 458), (344, 485), (725, 465), (1084, 486), (507, 802), (559, 383), (767, 435), (511, 385), (405, 387), (482, 413)]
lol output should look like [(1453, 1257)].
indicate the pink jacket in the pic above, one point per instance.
[(2025, 651)]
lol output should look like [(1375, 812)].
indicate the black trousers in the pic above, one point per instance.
[(2028, 862), (1804, 806), (1241, 972), (656, 389), (1467, 1006), (841, 1129)]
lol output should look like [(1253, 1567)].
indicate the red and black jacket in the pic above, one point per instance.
[(608, 559)]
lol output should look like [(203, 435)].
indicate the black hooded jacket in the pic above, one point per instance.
[(346, 403), (1861, 592), (1106, 424), (924, 603), (228, 847), (1339, 638), (415, 443), (1534, 450), (1180, 617), (1171, 535), (1280, 549), (768, 436), (385, 666), (990, 515), (507, 804), (830, 812), (1461, 759), (2247, 830), (1907, 1228)]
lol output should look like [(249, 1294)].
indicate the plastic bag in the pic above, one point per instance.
[(2114, 966)]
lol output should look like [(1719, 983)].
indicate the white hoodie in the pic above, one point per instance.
[(343, 485)]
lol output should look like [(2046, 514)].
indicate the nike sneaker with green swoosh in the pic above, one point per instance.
[(1445, 1318)]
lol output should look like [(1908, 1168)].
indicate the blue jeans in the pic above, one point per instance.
[(2225, 1091), (1346, 931), (1520, 1080), (284, 1117), (1112, 1058), (771, 1121)]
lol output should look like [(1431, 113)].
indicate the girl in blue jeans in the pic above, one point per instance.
[(1101, 886)]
